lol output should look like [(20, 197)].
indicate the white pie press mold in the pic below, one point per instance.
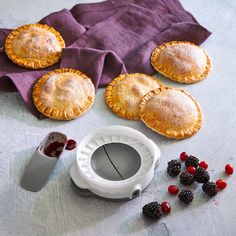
[(114, 162)]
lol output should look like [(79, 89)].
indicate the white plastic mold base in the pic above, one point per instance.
[(84, 176)]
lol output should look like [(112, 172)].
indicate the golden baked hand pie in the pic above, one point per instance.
[(171, 112), (124, 93), (183, 62), (34, 46), (63, 94)]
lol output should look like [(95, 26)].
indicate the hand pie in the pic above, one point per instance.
[(34, 46), (63, 94), (183, 62), (171, 112), (124, 93)]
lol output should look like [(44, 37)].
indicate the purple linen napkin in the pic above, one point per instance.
[(106, 39)]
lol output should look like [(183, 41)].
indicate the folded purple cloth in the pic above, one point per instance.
[(106, 39)]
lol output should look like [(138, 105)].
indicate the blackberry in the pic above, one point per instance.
[(210, 188), (186, 196), (192, 161), (174, 168), (186, 178), (153, 210), (201, 175), (174, 163)]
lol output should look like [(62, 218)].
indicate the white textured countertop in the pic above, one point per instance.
[(58, 210)]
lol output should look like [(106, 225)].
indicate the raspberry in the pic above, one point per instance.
[(191, 170), (203, 164), (221, 184), (71, 144), (172, 189), (183, 156), (229, 169), (165, 207)]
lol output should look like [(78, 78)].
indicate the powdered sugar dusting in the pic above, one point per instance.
[(172, 107), (36, 42), (183, 59), (65, 88)]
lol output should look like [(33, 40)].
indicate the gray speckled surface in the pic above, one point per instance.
[(58, 210)]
